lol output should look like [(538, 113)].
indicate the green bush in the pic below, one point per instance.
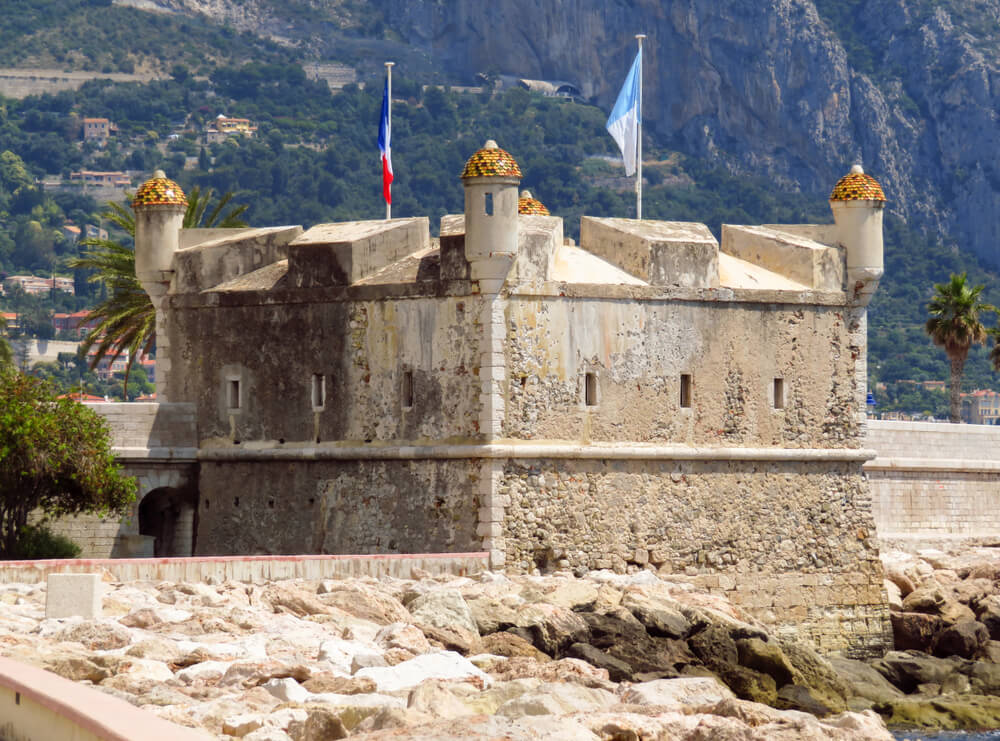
[(36, 542)]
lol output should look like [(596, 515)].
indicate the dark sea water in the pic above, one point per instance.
[(947, 735)]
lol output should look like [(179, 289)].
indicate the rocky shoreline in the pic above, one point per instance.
[(604, 656)]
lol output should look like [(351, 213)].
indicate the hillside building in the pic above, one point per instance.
[(652, 398), (981, 407)]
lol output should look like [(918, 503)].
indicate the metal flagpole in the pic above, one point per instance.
[(388, 70), (638, 145)]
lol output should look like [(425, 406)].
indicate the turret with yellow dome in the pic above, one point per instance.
[(490, 177), (857, 202)]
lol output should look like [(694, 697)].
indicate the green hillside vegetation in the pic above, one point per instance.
[(98, 36), (314, 159)]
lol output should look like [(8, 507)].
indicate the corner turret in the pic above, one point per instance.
[(490, 177), (858, 203), (159, 207)]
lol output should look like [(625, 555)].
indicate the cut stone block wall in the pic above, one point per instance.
[(935, 480), (339, 507)]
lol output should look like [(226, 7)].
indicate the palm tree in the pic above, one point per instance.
[(126, 320), (954, 325)]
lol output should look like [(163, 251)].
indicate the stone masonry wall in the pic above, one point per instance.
[(362, 349), (638, 350), (793, 543), (338, 507), (935, 480)]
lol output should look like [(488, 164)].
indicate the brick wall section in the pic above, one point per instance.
[(935, 480)]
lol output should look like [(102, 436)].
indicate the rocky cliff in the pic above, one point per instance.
[(793, 89)]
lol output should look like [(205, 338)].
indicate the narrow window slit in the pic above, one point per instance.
[(488, 204), (407, 391), (779, 393), (590, 389), (234, 394), (318, 392), (685, 390)]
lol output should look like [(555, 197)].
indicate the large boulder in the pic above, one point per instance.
[(510, 645), (749, 684), (914, 630), (677, 692), (963, 639), (988, 613), (909, 669), (97, 635), (865, 682), (715, 647), (362, 601), (444, 616), (552, 628), (767, 658), (618, 670), (945, 713), (660, 614), (935, 600)]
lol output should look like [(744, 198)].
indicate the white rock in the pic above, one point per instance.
[(267, 733), (205, 671), (340, 653), (443, 608), (444, 665), (287, 689), (557, 699), (680, 691), (366, 700), (145, 669), (286, 716), (367, 659), (241, 725)]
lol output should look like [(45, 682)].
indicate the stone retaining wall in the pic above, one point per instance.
[(935, 480)]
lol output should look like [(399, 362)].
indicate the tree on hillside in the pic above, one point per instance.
[(55, 455), (6, 351), (125, 321), (954, 325)]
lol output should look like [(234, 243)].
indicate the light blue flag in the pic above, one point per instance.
[(623, 123)]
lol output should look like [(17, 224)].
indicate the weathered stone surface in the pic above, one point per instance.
[(365, 603), (557, 699), (681, 691), (659, 614), (749, 684), (914, 630), (444, 616), (444, 665), (552, 628), (988, 613), (97, 635), (509, 644), (766, 658), (617, 669), (964, 639), (865, 681), (908, 669)]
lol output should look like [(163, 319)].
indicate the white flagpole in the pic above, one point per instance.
[(638, 145), (388, 71)]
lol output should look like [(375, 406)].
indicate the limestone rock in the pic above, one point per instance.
[(988, 613), (366, 603), (557, 699), (97, 635), (323, 683), (563, 670), (766, 658), (444, 616), (444, 665), (964, 639), (908, 669), (914, 630), (509, 644), (404, 636), (552, 628), (691, 691), (618, 670), (864, 681), (660, 614)]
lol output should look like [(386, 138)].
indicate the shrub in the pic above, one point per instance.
[(36, 542)]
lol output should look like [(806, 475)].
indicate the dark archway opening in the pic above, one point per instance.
[(159, 513)]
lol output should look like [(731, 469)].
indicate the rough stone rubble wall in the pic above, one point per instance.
[(792, 543), (935, 480)]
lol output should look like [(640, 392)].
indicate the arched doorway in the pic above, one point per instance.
[(166, 514)]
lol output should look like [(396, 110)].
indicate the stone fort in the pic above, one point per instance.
[(650, 398)]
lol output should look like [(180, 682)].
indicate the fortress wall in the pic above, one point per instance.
[(935, 480), (337, 506), (732, 352), (362, 350), (790, 542)]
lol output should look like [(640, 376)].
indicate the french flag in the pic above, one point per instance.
[(384, 146)]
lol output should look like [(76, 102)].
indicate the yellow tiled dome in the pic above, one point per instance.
[(159, 190), (491, 162), (530, 206), (857, 186)]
